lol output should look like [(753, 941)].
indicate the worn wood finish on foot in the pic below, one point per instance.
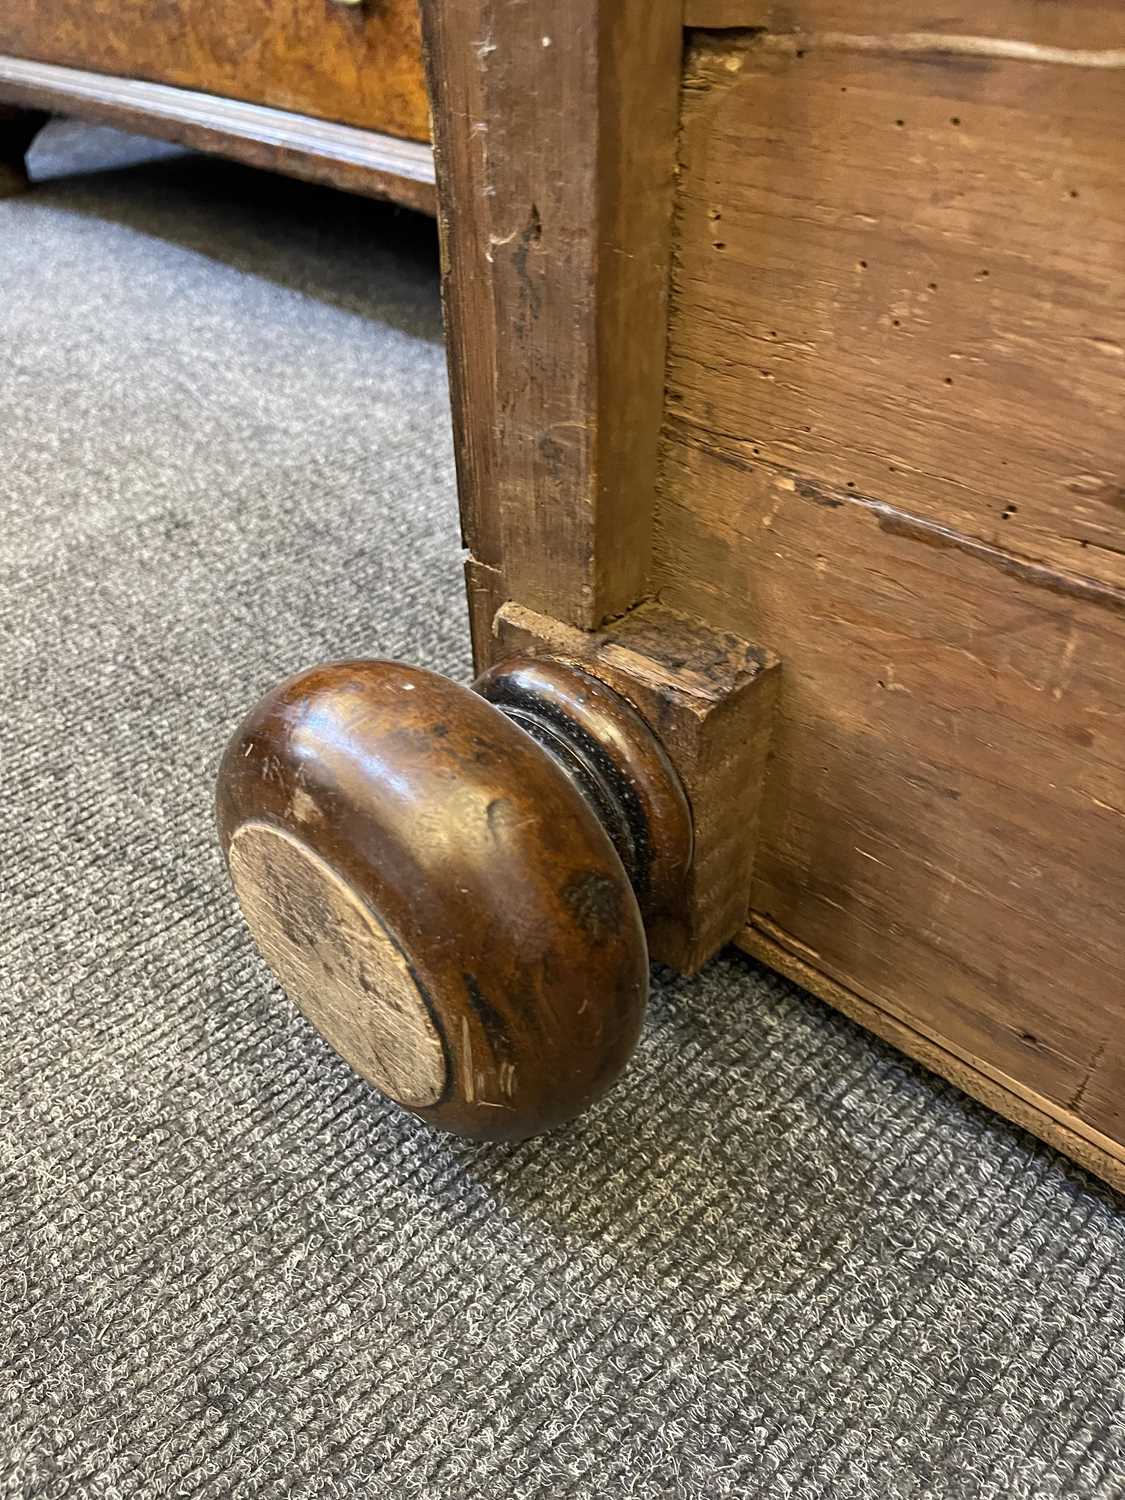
[(889, 454), (454, 889), (883, 445)]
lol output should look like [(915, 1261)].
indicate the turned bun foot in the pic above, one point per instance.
[(452, 884)]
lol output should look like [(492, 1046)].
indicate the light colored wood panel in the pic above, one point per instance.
[(944, 830), (360, 65), (555, 143), (1073, 24), (362, 161), (900, 272)]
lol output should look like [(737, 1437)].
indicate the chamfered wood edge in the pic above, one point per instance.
[(484, 592), (360, 161), (1058, 1128)]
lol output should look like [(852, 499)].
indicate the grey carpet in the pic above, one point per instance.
[(778, 1261)]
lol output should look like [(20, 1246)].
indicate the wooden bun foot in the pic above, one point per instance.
[(453, 884)]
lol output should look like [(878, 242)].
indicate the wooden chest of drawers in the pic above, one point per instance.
[(788, 362)]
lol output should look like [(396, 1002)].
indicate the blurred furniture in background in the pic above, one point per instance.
[(333, 92)]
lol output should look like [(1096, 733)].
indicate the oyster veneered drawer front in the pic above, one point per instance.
[(357, 64)]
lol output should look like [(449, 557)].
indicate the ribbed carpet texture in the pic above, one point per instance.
[(778, 1261)]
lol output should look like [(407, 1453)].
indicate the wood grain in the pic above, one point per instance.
[(358, 65), (1073, 24), (891, 453), (361, 161), (900, 273), (338, 962), (944, 826), (554, 136)]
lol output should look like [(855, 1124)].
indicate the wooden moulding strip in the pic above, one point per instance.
[(360, 161)]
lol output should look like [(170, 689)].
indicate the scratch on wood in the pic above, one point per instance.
[(1087, 1077), (1069, 585), (303, 807), (872, 858)]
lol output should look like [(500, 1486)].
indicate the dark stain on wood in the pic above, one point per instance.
[(594, 901), (492, 1021)]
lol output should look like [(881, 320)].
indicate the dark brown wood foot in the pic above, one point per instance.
[(18, 128), (454, 885)]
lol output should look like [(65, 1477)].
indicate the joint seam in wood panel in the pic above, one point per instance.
[(902, 523), (931, 43), (1017, 30)]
